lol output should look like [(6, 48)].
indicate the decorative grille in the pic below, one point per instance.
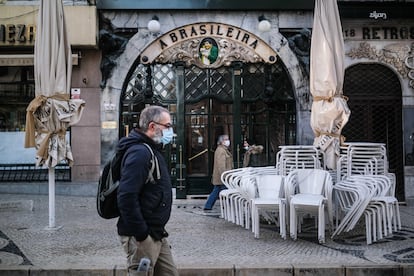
[(164, 82), (136, 85), (195, 84), (151, 81), (374, 93), (221, 83), (268, 104), (203, 82), (253, 81)]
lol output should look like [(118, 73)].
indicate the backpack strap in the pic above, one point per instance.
[(154, 166)]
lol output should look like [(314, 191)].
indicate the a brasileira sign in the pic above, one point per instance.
[(208, 45)]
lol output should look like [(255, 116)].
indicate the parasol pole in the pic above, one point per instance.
[(52, 193), (52, 223)]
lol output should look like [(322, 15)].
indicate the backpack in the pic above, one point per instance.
[(106, 200)]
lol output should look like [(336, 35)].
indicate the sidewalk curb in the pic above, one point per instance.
[(311, 270)]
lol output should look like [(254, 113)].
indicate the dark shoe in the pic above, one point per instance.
[(207, 209)]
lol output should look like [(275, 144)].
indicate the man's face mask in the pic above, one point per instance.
[(167, 135)]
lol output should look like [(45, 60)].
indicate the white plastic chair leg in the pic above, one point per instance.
[(321, 223), (282, 220), (293, 222)]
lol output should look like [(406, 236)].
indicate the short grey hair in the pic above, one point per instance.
[(150, 114), (221, 138)]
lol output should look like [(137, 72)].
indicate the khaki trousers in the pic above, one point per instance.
[(159, 252)]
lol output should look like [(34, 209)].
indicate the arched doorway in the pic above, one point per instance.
[(374, 93), (244, 100), (242, 89)]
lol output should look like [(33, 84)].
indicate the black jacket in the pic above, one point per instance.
[(145, 208)]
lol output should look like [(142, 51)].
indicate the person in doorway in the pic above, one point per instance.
[(251, 155), (223, 161), (145, 207)]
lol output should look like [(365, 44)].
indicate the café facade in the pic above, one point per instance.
[(251, 81)]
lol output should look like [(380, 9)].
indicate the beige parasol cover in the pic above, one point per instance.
[(52, 111), (330, 111)]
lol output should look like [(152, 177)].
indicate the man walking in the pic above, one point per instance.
[(145, 206)]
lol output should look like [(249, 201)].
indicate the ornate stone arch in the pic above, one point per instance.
[(237, 44)]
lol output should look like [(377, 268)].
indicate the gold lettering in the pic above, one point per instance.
[(20, 33), (31, 31), (12, 34), (2, 33), (10, 31)]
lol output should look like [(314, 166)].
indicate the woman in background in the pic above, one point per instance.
[(223, 161)]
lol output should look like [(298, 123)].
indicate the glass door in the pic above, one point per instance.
[(208, 103), (205, 121)]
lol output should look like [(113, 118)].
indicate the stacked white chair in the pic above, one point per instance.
[(228, 178), (387, 205), (269, 201), (364, 190), (386, 195), (309, 191), (377, 187), (361, 158), (353, 196), (290, 158), (241, 188), (231, 179), (371, 197)]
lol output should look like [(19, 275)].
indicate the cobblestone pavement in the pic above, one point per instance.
[(198, 239)]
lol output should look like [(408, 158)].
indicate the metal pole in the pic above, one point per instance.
[(52, 193), (52, 198)]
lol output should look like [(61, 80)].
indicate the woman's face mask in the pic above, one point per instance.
[(226, 143)]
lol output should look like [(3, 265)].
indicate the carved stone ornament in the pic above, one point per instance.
[(395, 55), (208, 45), (409, 62), (189, 52)]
